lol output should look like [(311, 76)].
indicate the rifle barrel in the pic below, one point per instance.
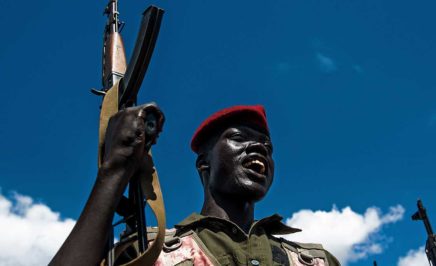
[(422, 215), (114, 55), (430, 247)]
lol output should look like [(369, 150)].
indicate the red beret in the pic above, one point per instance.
[(252, 114)]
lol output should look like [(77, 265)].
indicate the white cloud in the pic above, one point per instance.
[(326, 63), (31, 233), (350, 236), (414, 258)]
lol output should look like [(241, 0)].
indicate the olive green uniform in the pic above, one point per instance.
[(230, 245), (216, 241)]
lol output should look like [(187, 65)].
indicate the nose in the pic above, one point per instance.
[(256, 147)]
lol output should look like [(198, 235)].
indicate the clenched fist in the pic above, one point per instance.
[(129, 135)]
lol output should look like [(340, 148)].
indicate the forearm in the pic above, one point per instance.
[(86, 243), (125, 142)]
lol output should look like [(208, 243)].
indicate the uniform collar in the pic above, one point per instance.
[(272, 224)]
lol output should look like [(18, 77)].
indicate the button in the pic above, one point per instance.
[(255, 262), (234, 230)]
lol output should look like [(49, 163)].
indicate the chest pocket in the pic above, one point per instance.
[(306, 256), (279, 257)]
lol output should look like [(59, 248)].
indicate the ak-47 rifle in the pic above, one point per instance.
[(430, 246), (121, 84)]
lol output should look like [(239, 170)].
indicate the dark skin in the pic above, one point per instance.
[(125, 156), (236, 169)]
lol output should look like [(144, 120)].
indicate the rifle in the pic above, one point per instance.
[(121, 84), (430, 246)]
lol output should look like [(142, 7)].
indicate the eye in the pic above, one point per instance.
[(269, 146), (237, 136)]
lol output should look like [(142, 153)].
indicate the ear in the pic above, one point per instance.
[(202, 166)]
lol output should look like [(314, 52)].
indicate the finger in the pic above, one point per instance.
[(160, 120)]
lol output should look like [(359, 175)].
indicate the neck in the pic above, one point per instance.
[(233, 209)]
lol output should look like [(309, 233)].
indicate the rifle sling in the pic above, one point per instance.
[(150, 184)]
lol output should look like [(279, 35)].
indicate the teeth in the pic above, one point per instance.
[(260, 166)]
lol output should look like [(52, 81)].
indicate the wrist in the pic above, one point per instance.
[(117, 172)]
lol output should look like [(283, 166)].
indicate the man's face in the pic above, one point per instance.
[(241, 163)]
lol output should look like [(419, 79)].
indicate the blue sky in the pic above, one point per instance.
[(348, 86)]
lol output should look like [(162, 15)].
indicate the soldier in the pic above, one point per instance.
[(236, 169)]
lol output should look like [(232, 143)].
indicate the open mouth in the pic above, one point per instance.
[(255, 164)]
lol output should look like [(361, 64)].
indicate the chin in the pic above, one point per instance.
[(255, 189), (253, 192)]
